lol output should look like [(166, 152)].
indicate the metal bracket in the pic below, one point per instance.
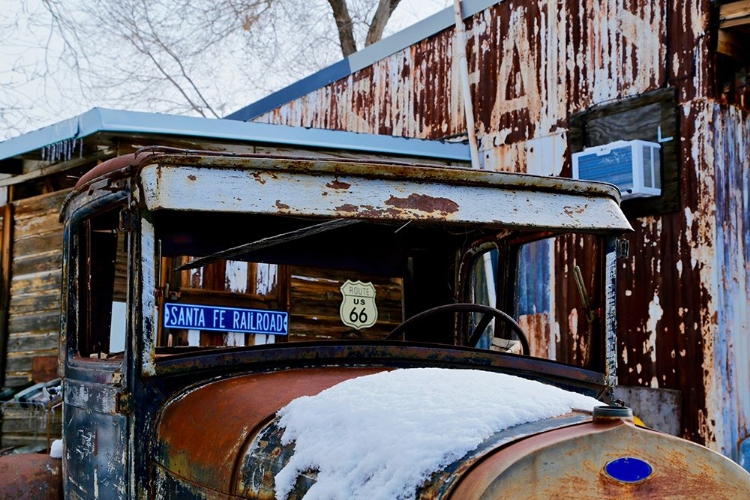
[(622, 248), (126, 222), (124, 402)]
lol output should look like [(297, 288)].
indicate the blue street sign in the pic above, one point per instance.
[(225, 319)]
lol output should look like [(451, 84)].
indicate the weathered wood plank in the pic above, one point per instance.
[(31, 323), (48, 301), (332, 290), (30, 343), (36, 263), (340, 275), (43, 223), (734, 14), (733, 45), (23, 362), (6, 241), (229, 299), (387, 311), (38, 244), (19, 364), (15, 380), (39, 205), (36, 283)]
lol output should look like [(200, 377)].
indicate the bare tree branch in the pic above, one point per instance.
[(198, 57), (380, 20)]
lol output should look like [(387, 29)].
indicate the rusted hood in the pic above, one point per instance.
[(31, 476), (224, 440), (202, 433), (225, 436)]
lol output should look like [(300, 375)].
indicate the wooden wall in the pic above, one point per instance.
[(34, 311)]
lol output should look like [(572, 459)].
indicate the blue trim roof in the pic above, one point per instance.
[(101, 120), (361, 59)]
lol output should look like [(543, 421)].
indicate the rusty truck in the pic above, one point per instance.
[(240, 325)]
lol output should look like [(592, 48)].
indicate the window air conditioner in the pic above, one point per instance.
[(632, 166)]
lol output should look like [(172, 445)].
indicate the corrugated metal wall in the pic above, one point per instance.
[(684, 292), (531, 65)]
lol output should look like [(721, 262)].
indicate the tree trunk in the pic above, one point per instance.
[(380, 19), (344, 26)]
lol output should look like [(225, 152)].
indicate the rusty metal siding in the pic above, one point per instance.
[(683, 293), (531, 64), (731, 342)]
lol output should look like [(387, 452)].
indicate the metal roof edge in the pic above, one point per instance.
[(361, 59), (99, 120), (46, 136)]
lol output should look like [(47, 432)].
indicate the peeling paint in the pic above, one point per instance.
[(532, 65), (655, 313)]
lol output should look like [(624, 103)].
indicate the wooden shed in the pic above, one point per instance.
[(548, 79), (40, 168)]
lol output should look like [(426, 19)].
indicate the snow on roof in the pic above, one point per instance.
[(381, 436)]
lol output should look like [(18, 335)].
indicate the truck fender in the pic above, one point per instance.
[(30, 476)]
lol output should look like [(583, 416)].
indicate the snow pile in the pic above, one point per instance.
[(381, 436), (56, 449)]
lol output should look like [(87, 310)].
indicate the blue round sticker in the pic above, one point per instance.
[(628, 469)]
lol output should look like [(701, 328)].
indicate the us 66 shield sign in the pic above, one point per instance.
[(358, 308)]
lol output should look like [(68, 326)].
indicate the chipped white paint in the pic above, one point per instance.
[(546, 155), (525, 94), (266, 279), (732, 252), (148, 300), (573, 329), (539, 67), (704, 259), (226, 190), (655, 314), (236, 276), (621, 54)]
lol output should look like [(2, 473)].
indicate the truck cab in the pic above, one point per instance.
[(209, 297)]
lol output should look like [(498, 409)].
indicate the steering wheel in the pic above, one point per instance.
[(489, 314)]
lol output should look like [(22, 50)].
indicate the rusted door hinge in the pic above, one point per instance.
[(124, 402), (622, 248), (127, 222)]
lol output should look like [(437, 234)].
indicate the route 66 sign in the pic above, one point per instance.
[(358, 308)]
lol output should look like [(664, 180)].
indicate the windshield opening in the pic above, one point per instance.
[(360, 281)]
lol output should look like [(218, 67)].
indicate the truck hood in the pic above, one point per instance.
[(256, 436), (226, 436)]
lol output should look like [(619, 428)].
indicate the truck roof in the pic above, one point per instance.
[(364, 188)]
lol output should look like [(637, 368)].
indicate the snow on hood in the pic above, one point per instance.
[(381, 436)]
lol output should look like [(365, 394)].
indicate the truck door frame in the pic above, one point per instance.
[(96, 413)]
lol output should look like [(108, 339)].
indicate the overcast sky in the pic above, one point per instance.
[(25, 48)]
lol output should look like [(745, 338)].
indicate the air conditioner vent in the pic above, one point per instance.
[(632, 166)]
